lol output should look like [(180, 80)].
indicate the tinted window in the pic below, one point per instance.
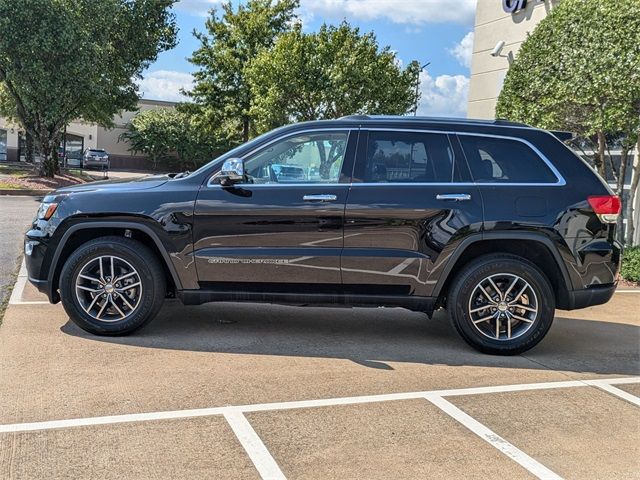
[(308, 158), (501, 160), (409, 157)]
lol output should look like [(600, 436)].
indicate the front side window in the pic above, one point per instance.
[(503, 160), (411, 157), (305, 158)]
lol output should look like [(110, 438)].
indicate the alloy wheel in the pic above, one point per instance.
[(503, 306), (108, 288)]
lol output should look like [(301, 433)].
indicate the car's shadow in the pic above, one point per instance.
[(372, 337)]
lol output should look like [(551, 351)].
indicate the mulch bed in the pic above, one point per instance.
[(34, 182), (622, 283)]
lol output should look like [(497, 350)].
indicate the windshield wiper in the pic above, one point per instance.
[(186, 173)]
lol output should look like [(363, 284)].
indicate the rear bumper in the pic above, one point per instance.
[(587, 297)]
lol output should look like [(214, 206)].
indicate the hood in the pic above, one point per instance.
[(123, 185)]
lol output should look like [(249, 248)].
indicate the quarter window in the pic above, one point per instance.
[(305, 158), (502, 160), (410, 157)]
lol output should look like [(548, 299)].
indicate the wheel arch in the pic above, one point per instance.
[(534, 247), (80, 233)]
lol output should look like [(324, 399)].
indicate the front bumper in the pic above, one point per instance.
[(34, 256)]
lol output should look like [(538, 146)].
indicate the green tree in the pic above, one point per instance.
[(334, 72), (168, 136), (62, 60), (221, 93), (580, 71)]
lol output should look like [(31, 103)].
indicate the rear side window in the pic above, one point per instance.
[(503, 160), (410, 157)]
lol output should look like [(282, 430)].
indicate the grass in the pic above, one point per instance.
[(8, 186)]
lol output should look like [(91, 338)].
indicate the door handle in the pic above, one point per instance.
[(320, 198), (457, 197)]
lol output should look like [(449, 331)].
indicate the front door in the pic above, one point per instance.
[(411, 201), (284, 224)]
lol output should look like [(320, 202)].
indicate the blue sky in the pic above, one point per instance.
[(436, 31)]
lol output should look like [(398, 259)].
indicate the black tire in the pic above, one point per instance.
[(150, 274), (460, 303)]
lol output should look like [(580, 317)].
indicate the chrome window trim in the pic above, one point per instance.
[(559, 183), (350, 130)]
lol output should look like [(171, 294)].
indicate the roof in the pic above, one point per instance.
[(422, 119)]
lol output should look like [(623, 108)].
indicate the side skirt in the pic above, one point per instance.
[(198, 297)]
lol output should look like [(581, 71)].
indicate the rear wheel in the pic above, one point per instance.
[(112, 286), (501, 304)]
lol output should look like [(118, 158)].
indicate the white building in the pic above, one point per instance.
[(82, 135)]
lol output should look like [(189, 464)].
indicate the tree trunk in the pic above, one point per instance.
[(635, 177), (245, 129), (49, 166), (28, 141), (624, 159), (600, 158)]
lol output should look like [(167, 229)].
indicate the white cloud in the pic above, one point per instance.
[(463, 50), (413, 12), (165, 85), (444, 96), (197, 7)]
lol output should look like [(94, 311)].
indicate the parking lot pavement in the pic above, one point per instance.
[(194, 392)]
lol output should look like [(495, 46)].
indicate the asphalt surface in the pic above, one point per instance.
[(196, 388), (16, 214)]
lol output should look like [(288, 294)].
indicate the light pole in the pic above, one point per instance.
[(415, 108)]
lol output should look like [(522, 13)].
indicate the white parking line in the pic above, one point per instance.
[(616, 391), (269, 469), (327, 402), (489, 436), (258, 453)]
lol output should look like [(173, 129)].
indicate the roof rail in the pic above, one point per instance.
[(355, 117), (451, 120)]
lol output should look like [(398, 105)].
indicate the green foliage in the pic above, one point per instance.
[(66, 59), (630, 269), (579, 70), (328, 74), (169, 137), (221, 93)]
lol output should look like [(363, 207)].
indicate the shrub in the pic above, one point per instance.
[(630, 269)]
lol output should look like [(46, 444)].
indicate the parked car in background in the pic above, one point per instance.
[(95, 158), (497, 222)]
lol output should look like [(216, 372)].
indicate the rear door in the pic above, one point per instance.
[(411, 201), (284, 224)]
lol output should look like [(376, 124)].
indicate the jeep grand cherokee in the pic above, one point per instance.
[(497, 222)]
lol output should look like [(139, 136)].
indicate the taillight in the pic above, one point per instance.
[(607, 207)]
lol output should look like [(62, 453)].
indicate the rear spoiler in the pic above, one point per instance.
[(562, 136)]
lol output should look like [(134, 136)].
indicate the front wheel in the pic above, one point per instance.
[(501, 304), (112, 286)]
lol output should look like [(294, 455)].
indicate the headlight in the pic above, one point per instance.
[(46, 210)]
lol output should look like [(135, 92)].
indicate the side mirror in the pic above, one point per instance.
[(232, 171)]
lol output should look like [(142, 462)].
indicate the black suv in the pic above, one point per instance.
[(497, 222)]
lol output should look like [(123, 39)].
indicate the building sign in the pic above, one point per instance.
[(512, 6)]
